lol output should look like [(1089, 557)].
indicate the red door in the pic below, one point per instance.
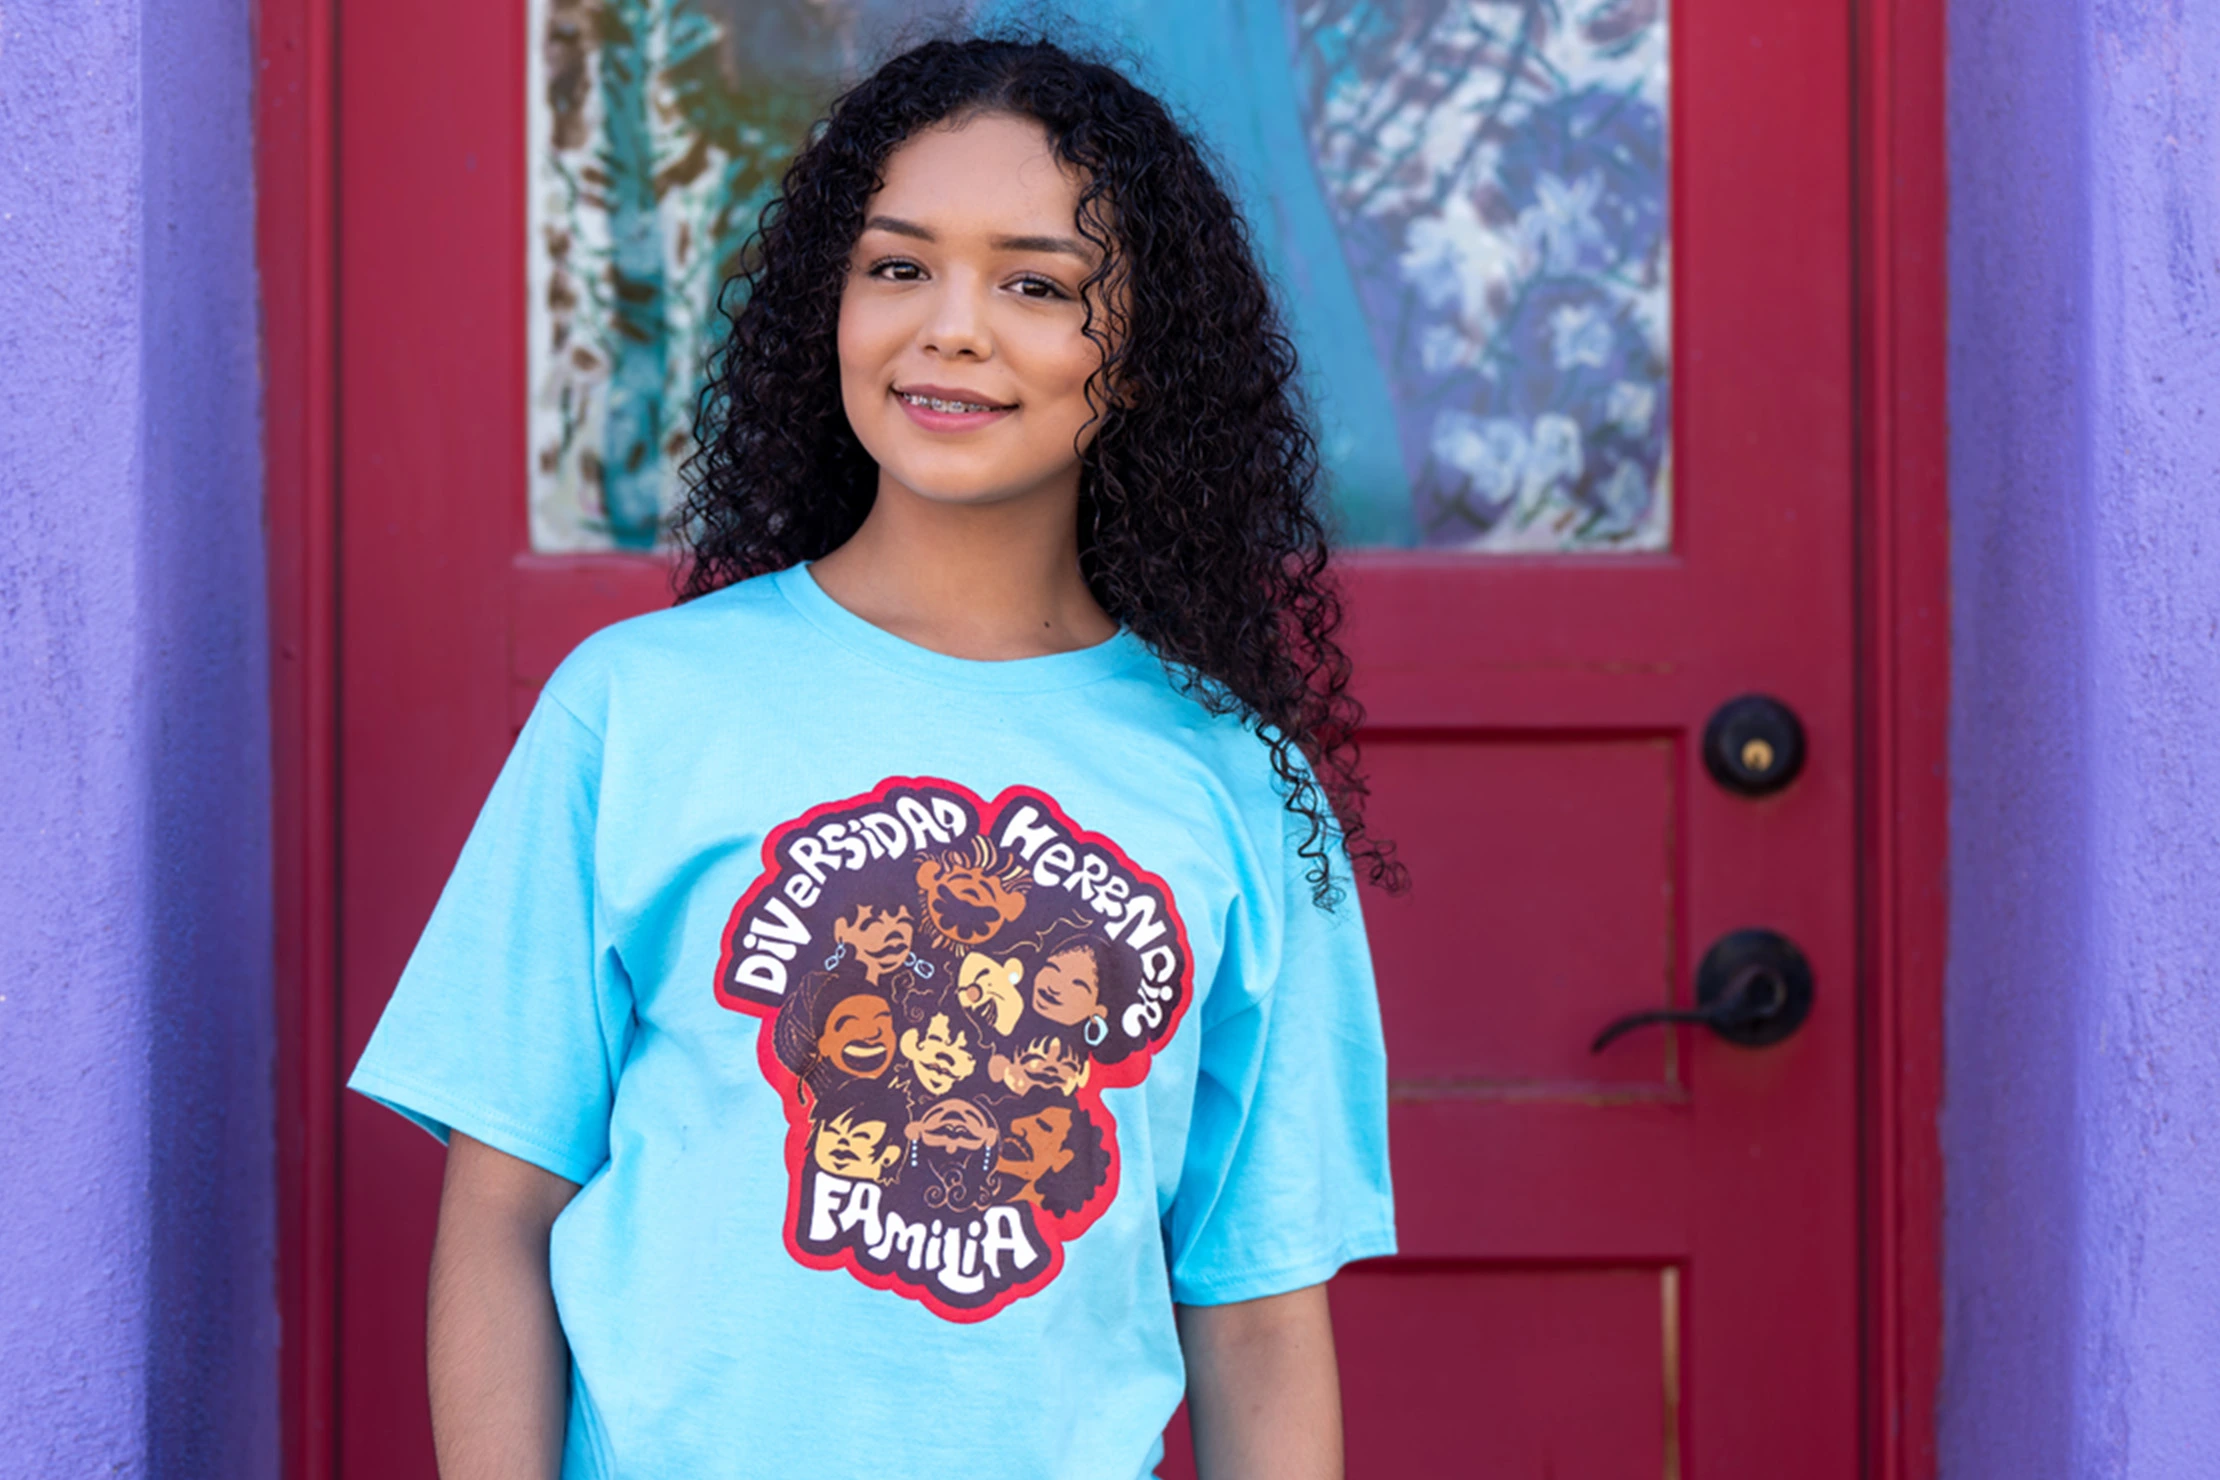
[(1639, 1262)]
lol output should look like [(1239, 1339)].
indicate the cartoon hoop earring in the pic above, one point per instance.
[(1098, 1028), (920, 965), (840, 954)]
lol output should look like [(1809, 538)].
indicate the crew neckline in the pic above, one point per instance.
[(1113, 655)]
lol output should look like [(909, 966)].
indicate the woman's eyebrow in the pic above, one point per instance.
[(899, 227), (1068, 245)]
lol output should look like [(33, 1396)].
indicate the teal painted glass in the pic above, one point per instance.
[(632, 433), (1225, 68)]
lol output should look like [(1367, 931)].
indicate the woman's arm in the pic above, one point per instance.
[(500, 1369), (1263, 1394)]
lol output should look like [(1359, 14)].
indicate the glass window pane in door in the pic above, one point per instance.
[(1464, 203)]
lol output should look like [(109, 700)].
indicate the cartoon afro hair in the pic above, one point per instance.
[(1066, 1191)]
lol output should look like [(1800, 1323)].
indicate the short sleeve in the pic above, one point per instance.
[(1286, 1173), (508, 1023)]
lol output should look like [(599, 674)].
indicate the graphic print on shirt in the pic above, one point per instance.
[(947, 986)]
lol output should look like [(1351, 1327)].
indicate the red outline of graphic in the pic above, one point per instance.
[(1128, 1072)]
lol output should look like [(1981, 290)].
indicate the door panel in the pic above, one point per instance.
[(1638, 1262), (1478, 1369), (1492, 996)]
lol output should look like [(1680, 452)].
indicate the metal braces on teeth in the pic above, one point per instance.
[(950, 407)]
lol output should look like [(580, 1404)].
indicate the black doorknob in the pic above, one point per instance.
[(1754, 745), (1753, 988)]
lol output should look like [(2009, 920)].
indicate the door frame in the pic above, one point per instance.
[(1903, 630)]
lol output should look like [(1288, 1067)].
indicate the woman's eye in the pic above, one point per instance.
[(895, 270), (1039, 287)]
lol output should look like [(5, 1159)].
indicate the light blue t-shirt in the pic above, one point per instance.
[(919, 1030)]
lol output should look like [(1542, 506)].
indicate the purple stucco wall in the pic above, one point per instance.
[(137, 1307), (2081, 1126)]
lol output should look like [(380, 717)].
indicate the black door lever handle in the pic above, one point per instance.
[(1753, 988)]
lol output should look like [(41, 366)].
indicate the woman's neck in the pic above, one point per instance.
[(990, 581)]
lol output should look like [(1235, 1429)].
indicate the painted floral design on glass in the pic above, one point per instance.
[(1464, 203), (658, 131), (1497, 171)]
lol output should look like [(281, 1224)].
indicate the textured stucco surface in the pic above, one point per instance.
[(2082, 1118), (137, 1311)]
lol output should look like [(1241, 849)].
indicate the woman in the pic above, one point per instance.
[(1005, 436)]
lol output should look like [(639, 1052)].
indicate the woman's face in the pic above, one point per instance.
[(881, 939), (941, 1056), (1035, 1145), (1045, 1064), (855, 1147), (967, 903), (963, 368), (1068, 988), (954, 1125), (989, 987), (859, 1036)]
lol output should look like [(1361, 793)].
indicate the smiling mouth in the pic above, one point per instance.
[(965, 919), (863, 1055), (950, 407)]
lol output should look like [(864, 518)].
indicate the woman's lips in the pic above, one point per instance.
[(952, 398), (948, 413), (864, 1055)]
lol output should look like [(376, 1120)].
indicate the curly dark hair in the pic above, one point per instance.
[(1066, 1190), (1199, 522), (1117, 987)]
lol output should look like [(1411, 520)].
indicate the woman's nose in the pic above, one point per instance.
[(957, 327)]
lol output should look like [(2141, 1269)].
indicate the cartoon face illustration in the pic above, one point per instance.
[(856, 1146), (990, 988), (859, 1036), (971, 895), (941, 1056), (1045, 1063), (1034, 1148), (1068, 987), (881, 939), (954, 1125)]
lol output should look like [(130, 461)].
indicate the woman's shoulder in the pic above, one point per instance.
[(676, 643), (1221, 736)]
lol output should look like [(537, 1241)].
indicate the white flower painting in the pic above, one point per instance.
[(1497, 172)]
